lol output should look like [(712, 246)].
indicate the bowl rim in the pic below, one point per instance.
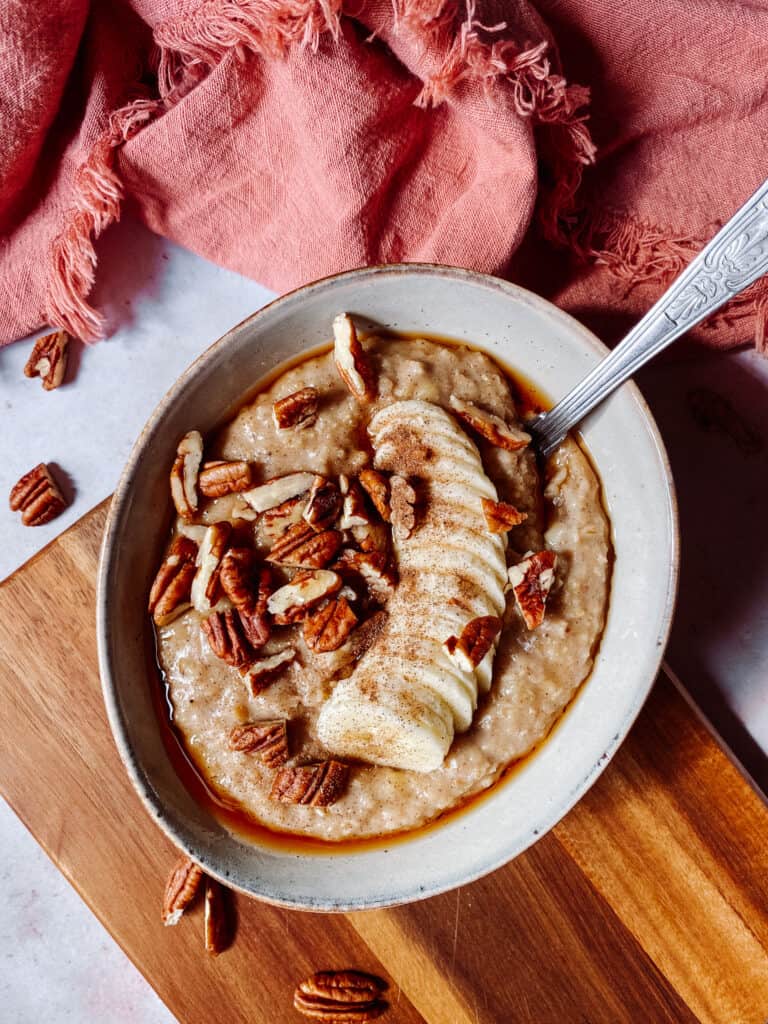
[(139, 778)]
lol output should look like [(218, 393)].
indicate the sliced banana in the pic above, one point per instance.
[(406, 698)]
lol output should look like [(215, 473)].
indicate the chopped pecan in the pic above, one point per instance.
[(184, 474), (341, 996), (490, 426), (180, 890), (375, 569), (351, 362), (376, 486), (476, 639), (373, 537), (501, 516), (275, 521), (194, 531), (402, 499), (48, 359), (171, 590), (328, 628), (277, 490), (355, 511), (317, 785), (239, 509), (219, 478), (296, 410), (531, 581), (254, 620), (300, 545), (268, 740), (324, 504), (263, 671), (205, 585), (226, 638), (37, 496), (305, 591), (217, 923)]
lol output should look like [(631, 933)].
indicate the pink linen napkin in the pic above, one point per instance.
[(290, 139)]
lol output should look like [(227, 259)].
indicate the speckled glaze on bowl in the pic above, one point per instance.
[(554, 352)]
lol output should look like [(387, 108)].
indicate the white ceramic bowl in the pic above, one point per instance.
[(553, 351)]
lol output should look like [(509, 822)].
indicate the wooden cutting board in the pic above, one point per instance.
[(648, 903)]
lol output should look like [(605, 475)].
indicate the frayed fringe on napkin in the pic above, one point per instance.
[(190, 45)]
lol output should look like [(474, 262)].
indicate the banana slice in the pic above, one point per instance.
[(406, 698)]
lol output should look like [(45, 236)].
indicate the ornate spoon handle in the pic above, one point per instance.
[(732, 260)]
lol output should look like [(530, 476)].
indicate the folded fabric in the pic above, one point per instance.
[(290, 139)]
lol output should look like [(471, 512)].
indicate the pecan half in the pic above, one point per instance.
[(306, 590), (226, 638), (172, 587), (217, 923), (248, 588), (275, 521), (268, 740), (351, 362), (277, 490), (219, 478), (324, 504), (37, 496), (531, 581), (328, 628), (296, 410), (501, 516), (476, 639), (402, 499), (376, 486), (48, 359), (490, 426), (340, 996), (263, 671), (343, 986), (300, 545), (180, 890), (317, 785), (184, 474), (237, 577), (205, 585)]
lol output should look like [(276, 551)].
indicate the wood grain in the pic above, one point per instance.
[(646, 904)]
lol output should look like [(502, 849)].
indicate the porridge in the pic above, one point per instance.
[(372, 602)]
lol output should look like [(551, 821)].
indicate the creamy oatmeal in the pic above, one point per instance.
[(451, 652)]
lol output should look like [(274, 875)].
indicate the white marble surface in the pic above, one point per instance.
[(165, 306), (57, 963)]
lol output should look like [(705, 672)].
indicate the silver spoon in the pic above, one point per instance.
[(732, 260)]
